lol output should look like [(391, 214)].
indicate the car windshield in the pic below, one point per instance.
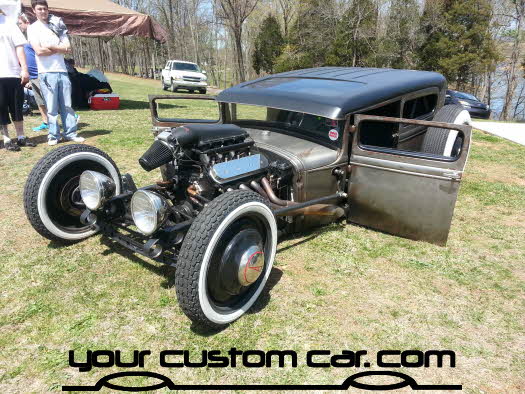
[(465, 96), (326, 131), (186, 67)]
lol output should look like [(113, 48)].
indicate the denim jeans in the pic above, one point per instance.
[(56, 88)]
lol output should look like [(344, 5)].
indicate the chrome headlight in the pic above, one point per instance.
[(464, 103), (148, 211), (96, 189)]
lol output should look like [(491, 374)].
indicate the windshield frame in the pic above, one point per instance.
[(290, 129)]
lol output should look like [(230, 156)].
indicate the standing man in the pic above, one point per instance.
[(50, 48), (13, 76), (34, 84)]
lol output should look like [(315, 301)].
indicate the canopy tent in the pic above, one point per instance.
[(102, 18)]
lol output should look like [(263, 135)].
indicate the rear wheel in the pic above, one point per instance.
[(445, 142), (52, 199), (202, 91), (226, 258)]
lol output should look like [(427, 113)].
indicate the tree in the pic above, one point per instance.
[(268, 45), (234, 13), (310, 36), (287, 11), (398, 48), (460, 46), (518, 15), (356, 36)]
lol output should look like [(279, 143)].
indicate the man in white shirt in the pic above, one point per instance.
[(50, 48), (13, 76)]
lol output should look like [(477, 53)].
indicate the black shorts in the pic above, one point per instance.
[(11, 100)]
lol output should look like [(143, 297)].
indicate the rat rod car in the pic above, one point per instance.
[(286, 152)]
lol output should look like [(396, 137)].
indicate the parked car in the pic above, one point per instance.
[(288, 152), (471, 103), (179, 74)]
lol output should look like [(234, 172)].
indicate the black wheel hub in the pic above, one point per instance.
[(237, 262), (63, 201), (70, 198)]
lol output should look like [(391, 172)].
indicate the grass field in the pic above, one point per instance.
[(346, 288)]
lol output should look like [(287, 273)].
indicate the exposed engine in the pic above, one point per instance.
[(199, 162)]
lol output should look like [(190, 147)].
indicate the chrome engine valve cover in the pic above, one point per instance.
[(234, 169)]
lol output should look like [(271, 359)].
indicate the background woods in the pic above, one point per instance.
[(476, 44)]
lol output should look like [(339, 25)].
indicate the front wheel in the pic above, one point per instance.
[(202, 91), (173, 86), (52, 199), (226, 258)]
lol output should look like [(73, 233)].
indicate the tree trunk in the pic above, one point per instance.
[(514, 60), (241, 74)]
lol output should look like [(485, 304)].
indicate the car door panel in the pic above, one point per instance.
[(410, 194)]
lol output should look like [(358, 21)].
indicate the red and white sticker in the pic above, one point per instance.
[(333, 135)]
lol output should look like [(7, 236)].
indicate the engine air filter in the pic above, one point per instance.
[(157, 155)]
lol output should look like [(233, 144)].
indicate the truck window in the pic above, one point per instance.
[(185, 67)]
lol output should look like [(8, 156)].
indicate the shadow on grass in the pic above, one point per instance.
[(167, 272), (133, 104), (94, 133), (260, 304), (42, 137), (310, 235), (81, 125)]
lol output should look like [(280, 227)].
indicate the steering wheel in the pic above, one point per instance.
[(295, 119)]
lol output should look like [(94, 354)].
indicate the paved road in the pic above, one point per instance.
[(510, 131)]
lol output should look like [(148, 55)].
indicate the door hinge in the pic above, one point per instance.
[(456, 175)]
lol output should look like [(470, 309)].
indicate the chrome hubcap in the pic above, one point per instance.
[(251, 266)]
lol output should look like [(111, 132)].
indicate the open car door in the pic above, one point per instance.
[(168, 111), (411, 194)]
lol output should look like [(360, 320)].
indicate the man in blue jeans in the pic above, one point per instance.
[(50, 46)]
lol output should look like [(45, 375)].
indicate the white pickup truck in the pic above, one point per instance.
[(183, 75)]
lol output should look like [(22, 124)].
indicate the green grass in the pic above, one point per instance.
[(345, 288)]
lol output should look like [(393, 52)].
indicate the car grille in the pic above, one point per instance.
[(191, 79)]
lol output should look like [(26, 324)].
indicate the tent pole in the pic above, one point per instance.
[(101, 54), (154, 59)]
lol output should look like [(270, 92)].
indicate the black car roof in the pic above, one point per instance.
[(332, 92)]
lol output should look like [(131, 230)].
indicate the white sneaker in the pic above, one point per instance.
[(52, 142), (76, 139)]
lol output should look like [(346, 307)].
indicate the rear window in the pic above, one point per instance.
[(420, 107)]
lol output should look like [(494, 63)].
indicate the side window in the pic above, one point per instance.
[(381, 134), (168, 65), (420, 107)]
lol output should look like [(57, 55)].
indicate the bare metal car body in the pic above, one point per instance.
[(395, 189), (285, 152)]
